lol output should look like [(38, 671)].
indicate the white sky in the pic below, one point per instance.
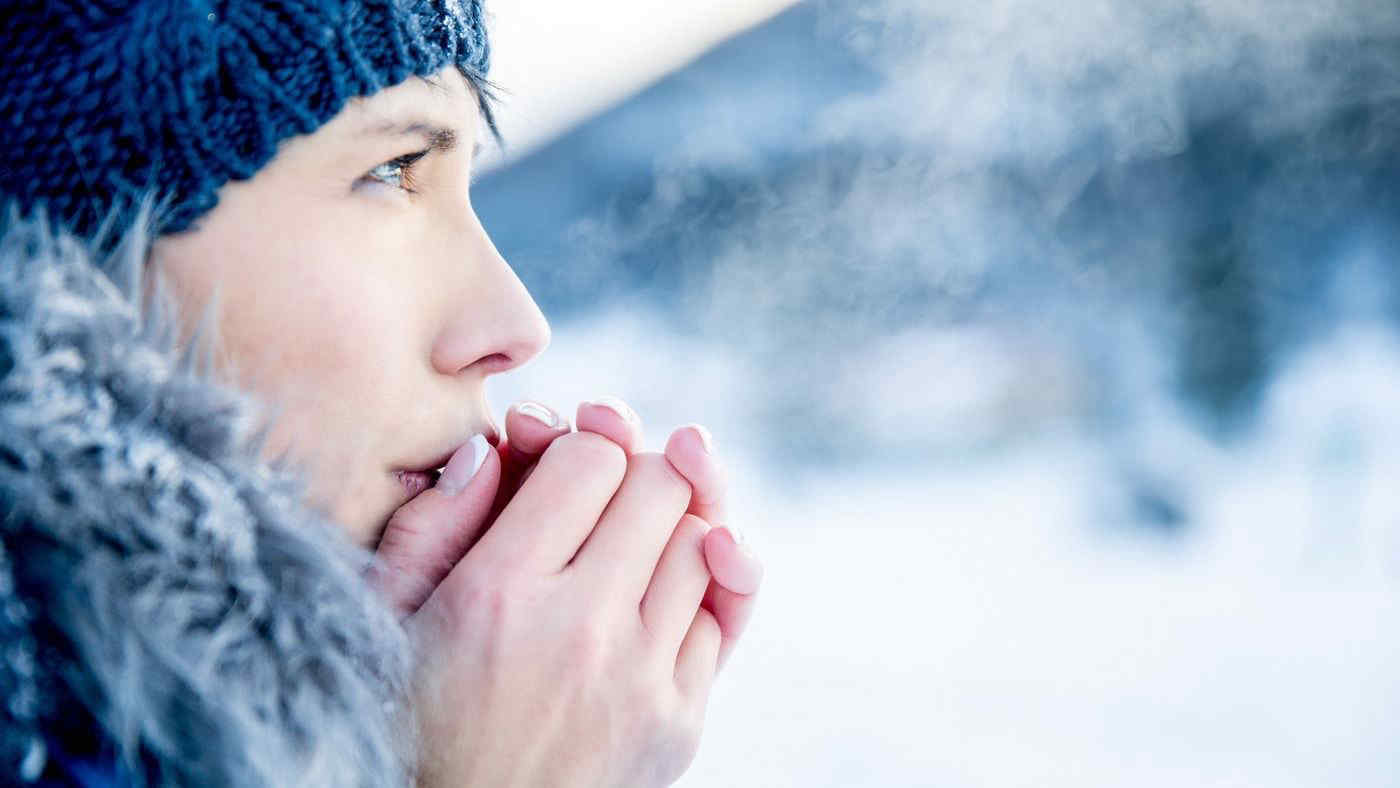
[(561, 61)]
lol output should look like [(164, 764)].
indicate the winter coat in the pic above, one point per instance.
[(171, 612)]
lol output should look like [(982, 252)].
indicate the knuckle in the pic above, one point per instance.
[(658, 716), (676, 736), (590, 451), (652, 705), (692, 528), (394, 551), (485, 599), (588, 643), (657, 472), (707, 627), (473, 611), (406, 549)]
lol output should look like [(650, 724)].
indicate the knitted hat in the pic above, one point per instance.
[(103, 102)]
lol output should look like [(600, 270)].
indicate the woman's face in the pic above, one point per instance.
[(359, 296)]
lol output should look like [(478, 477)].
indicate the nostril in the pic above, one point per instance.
[(496, 362)]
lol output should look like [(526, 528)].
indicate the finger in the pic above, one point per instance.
[(530, 428), (613, 419), (623, 550), (732, 562), (732, 612), (698, 660), (741, 569), (677, 586), (556, 509), (427, 536), (690, 450)]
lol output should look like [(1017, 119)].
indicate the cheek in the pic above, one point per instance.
[(313, 312), (323, 319), (332, 346), (311, 324), (331, 340)]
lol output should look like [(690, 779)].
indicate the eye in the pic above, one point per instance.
[(396, 173)]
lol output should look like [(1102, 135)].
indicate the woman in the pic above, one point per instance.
[(246, 314)]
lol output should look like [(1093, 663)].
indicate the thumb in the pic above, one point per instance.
[(427, 536)]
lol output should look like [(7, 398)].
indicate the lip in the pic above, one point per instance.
[(415, 482), (431, 466)]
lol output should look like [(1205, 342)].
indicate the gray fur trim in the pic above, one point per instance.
[(156, 573)]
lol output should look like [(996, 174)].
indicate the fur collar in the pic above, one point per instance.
[(157, 581)]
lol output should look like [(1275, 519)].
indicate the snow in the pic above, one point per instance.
[(992, 622), (964, 629)]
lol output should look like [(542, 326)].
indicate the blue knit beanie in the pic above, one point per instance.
[(105, 101)]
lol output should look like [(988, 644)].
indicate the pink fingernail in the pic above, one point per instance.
[(538, 412), (706, 440), (462, 468), (738, 537), (616, 406)]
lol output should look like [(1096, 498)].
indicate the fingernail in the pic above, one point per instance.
[(538, 412), (465, 462), (736, 535), (705, 439), (616, 406)]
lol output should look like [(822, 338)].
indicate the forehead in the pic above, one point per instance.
[(443, 99)]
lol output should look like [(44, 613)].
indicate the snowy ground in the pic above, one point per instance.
[(963, 629), (986, 623)]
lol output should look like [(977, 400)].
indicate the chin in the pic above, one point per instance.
[(365, 523), (364, 518)]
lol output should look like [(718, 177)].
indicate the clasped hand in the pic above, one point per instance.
[(570, 605)]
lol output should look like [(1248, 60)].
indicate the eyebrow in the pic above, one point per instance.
[(439, 138)]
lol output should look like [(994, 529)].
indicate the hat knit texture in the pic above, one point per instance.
[(106, 102)]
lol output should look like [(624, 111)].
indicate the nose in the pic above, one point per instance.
[(493, 324)]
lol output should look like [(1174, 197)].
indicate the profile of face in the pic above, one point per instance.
[(357, 294)]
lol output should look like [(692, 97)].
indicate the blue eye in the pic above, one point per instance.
[(397, 172)]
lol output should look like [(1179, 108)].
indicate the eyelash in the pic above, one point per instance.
[(401, 167)]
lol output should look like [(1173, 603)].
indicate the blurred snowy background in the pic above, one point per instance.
[(1053, 347)]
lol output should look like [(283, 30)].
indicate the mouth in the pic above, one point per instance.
[(416, 480)]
